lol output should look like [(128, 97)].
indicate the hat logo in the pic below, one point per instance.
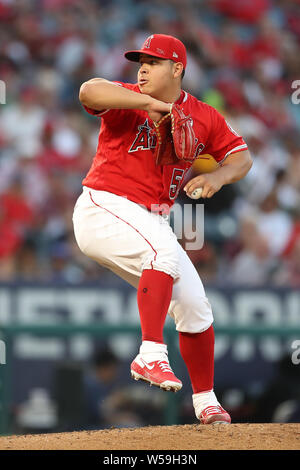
[(175, 55), (147, 43)]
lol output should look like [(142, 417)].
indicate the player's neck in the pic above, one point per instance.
[(170, 96)]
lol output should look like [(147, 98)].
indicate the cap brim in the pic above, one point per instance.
[(134, 56)]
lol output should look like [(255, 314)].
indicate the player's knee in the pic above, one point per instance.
[(85, 242), (84, 246), (165, 260), (192, 316)]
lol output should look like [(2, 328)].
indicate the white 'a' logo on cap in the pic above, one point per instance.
[(148, 42)]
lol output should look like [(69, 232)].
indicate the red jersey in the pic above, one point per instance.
[(124, 162)]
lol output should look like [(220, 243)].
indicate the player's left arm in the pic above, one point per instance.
[(234, 168)]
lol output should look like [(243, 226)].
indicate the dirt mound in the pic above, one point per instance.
[(187, 437)]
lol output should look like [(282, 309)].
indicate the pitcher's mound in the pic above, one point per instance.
[(186, 437)]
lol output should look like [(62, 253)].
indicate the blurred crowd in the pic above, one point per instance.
[(243, 59)]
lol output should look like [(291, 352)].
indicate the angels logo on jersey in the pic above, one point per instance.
[(144, 140)]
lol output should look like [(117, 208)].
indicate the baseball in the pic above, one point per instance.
[(196, 194)]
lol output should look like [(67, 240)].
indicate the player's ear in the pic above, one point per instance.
[(177, 69)]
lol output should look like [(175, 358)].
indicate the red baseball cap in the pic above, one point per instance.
[(162, 46)]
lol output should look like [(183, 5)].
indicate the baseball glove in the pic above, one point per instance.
[(175, 138)]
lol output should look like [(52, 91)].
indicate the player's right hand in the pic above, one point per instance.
[(209, 182)]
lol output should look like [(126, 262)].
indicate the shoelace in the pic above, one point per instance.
[(165, 367), (212, 410)]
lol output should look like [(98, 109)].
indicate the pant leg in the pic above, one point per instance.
[(123, 236), (189, 307)]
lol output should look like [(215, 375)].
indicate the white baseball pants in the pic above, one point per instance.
[(126, 238)]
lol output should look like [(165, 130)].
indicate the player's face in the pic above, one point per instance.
[(154, 75)]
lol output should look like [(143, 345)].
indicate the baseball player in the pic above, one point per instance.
[(119, 219)]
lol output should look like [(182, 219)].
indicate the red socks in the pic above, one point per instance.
[(197, 350), (153, 298)]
